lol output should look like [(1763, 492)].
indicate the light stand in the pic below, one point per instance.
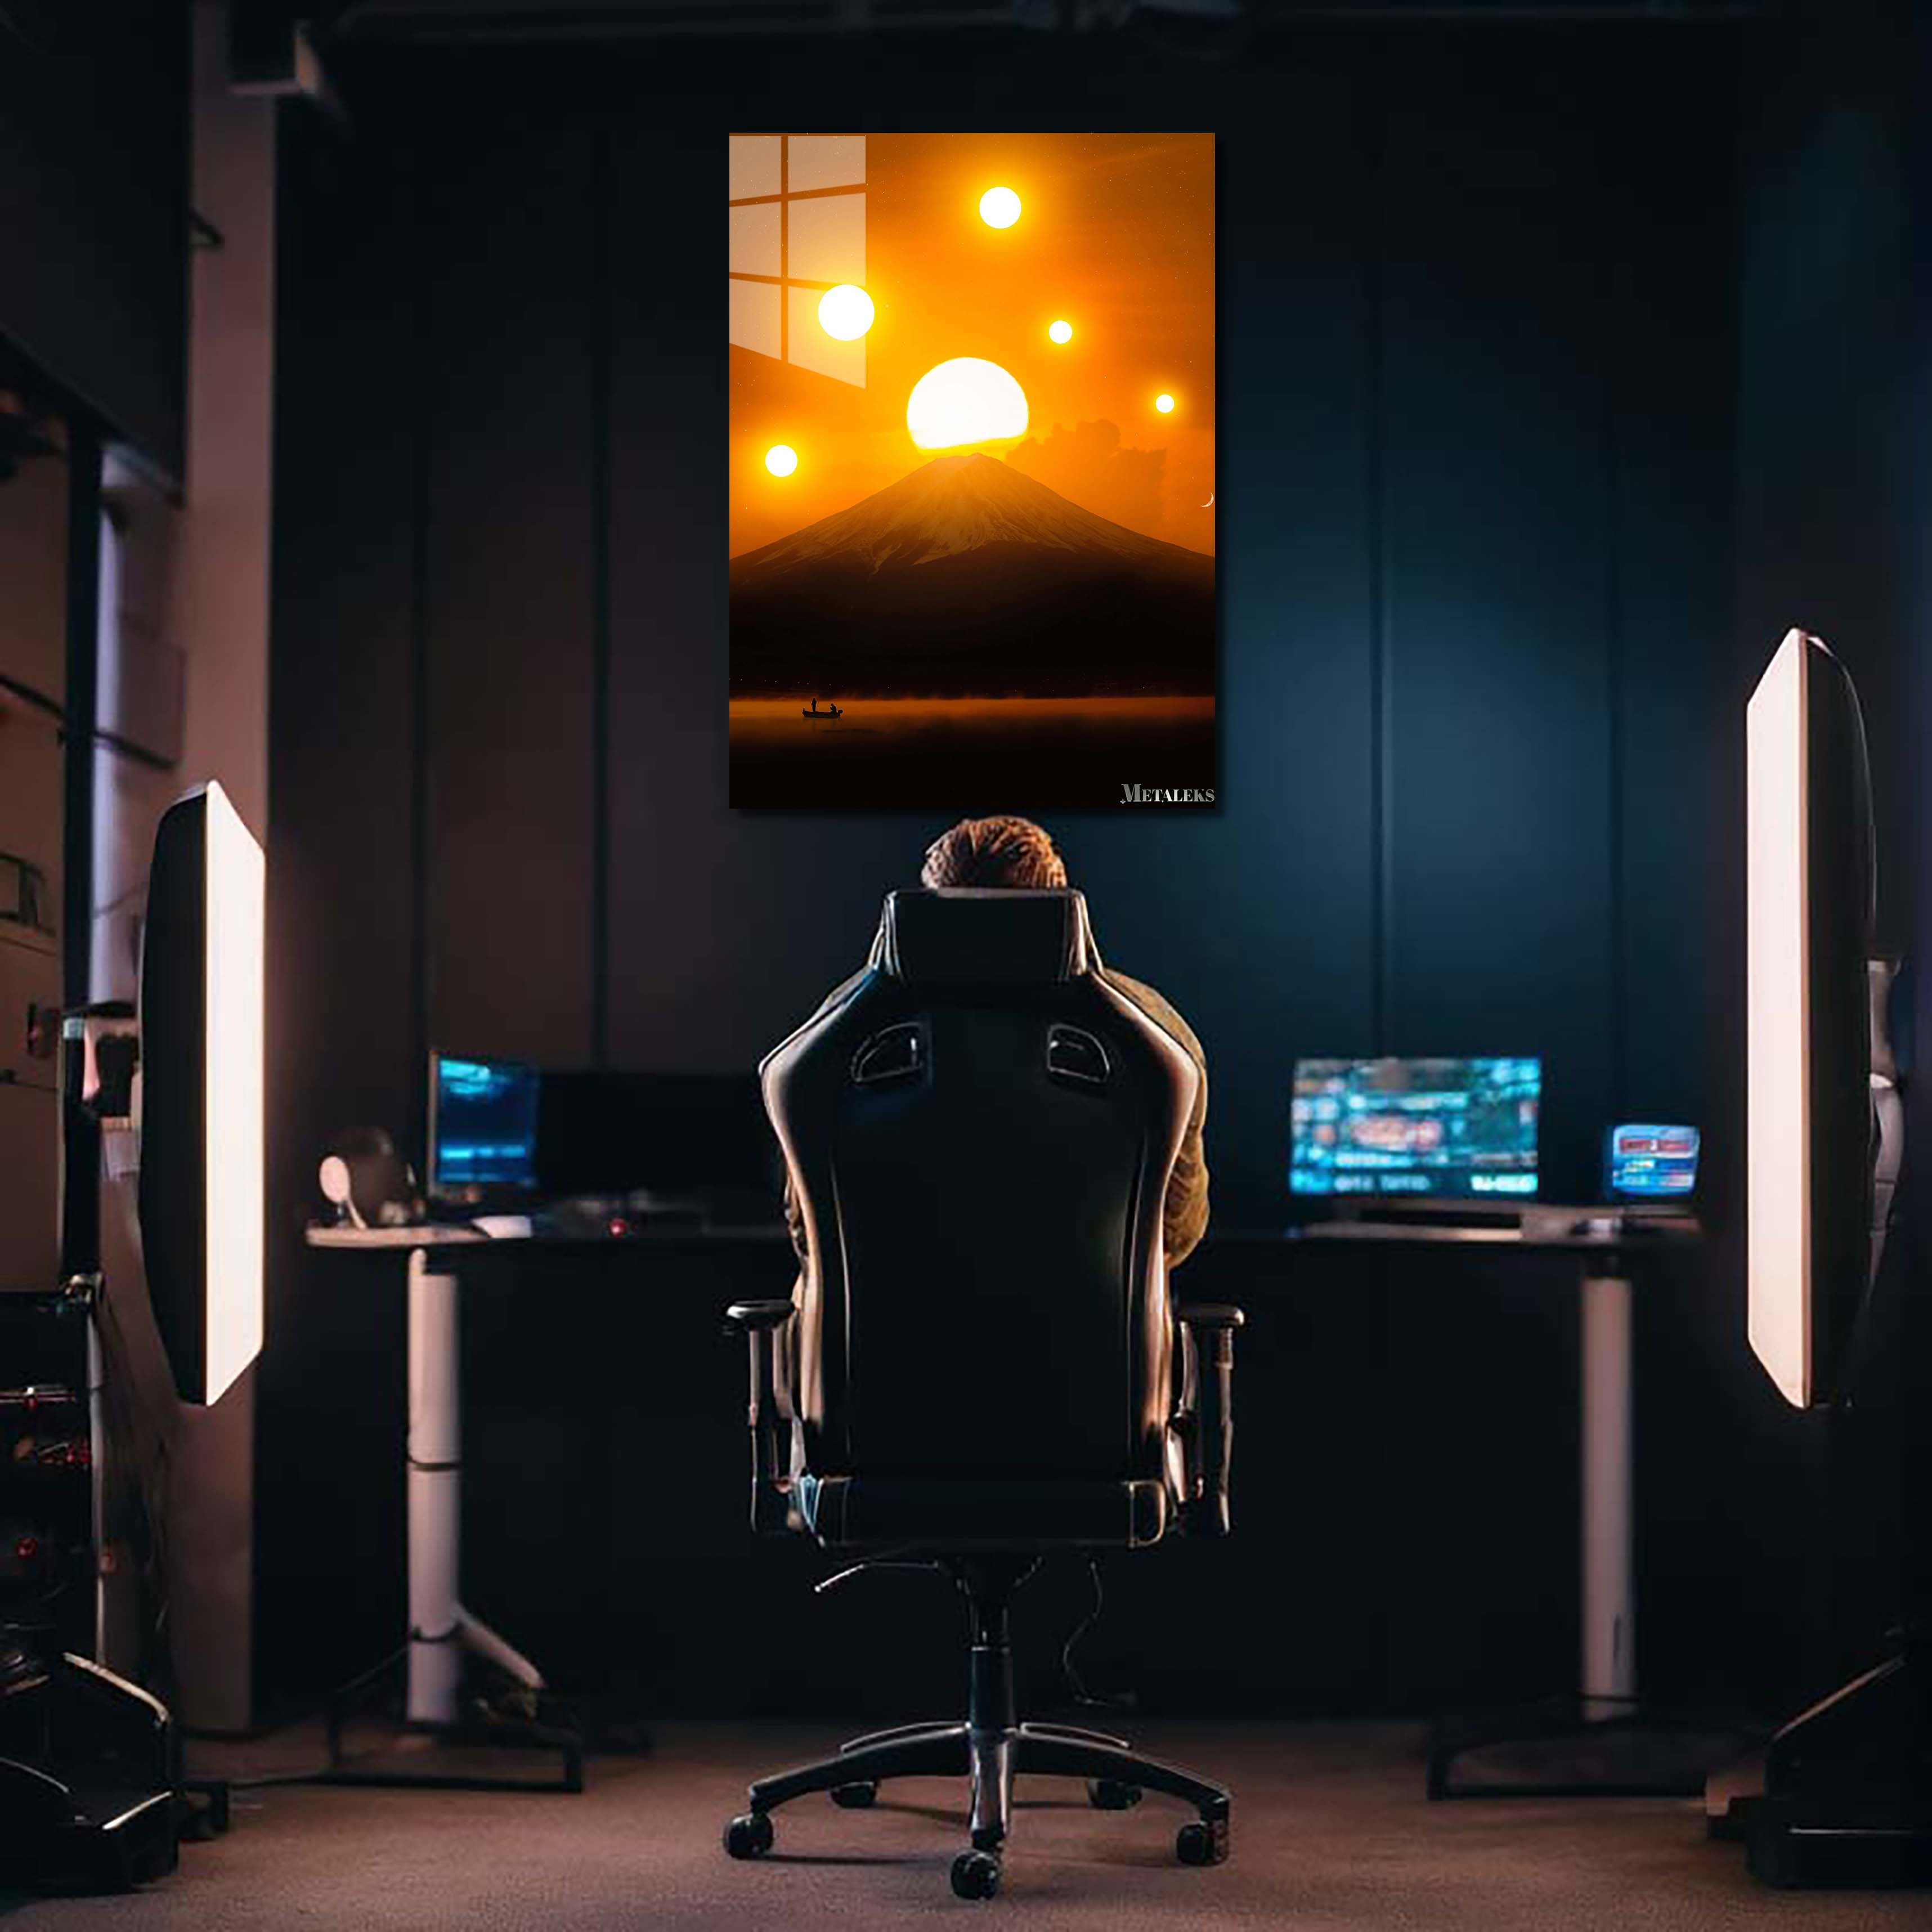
[(1847, 1796), (90, 1793)]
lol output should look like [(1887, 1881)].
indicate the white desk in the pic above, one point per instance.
[(441, 1629), (1604, 1244)]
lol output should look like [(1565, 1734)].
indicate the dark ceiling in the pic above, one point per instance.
[(612, 20)]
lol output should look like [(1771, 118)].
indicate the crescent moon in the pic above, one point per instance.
[(1210, 504)]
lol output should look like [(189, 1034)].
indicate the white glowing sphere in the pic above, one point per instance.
[(1060, 332), (966, 400), (999, 208), (845, 313), (780, 459)]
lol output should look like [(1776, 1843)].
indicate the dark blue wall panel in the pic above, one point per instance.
[(508, 312), (1478, 354), (725, 926), (1498, 559)]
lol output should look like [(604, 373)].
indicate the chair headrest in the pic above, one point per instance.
[(976, 937)]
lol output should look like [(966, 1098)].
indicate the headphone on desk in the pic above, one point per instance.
[(367, 1182)]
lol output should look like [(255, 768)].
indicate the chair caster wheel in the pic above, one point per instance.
[(855, 1797), (749, 1836), (976, 1874), (1202, 1841), (1109, 1794)]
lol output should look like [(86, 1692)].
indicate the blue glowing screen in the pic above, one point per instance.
[(486, 1125), (1452, 1129), (1645, 1162)]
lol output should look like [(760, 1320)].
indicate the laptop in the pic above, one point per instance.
[(1436, 1138)]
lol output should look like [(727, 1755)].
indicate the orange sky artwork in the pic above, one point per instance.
[(1114, 237)]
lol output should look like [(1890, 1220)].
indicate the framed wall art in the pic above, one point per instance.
[(972, 470)]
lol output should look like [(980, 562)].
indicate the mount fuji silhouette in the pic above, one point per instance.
[(966, 578)]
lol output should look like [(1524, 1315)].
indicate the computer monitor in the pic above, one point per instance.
[(1436, 1129), (482, 1128), (201, 1030), (1646, 1162), (1810, 894), (700, 1136)]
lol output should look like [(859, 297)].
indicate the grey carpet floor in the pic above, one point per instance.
[(1330, 1830)]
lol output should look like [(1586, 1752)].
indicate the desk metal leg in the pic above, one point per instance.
[(440, 1629), (1609, 1679), (434, 1476)]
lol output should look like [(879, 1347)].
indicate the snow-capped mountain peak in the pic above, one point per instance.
[(945, 508)]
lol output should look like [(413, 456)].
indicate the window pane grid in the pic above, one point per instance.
[(797, 212)]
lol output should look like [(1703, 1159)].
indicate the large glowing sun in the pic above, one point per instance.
[(966, 400), (999, 208)]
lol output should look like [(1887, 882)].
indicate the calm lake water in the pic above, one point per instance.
[(968, 753)]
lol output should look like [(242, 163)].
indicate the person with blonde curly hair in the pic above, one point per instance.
[(1011, 854)]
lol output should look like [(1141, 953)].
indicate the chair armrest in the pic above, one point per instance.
[(1204, 1315), (1209, 1327), (763, 1324), (744, 1317)]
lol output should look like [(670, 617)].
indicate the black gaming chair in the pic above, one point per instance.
[(982, 1364)]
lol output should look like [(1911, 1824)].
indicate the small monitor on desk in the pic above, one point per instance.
[(1645, 1162), (482, 1130), (1429, 1130)]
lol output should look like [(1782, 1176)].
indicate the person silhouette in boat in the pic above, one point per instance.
[(832, 711)]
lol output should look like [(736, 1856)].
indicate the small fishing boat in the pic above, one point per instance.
[(831, 711)]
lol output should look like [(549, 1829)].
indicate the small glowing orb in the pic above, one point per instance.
[(1060, 332), (965, 401), (780, 459), (999, 208), (1164, 404), (845, 313)]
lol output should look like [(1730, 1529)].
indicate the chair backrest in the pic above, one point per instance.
[(979, 1135)]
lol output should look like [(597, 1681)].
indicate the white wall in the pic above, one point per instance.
[(184, 679)]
